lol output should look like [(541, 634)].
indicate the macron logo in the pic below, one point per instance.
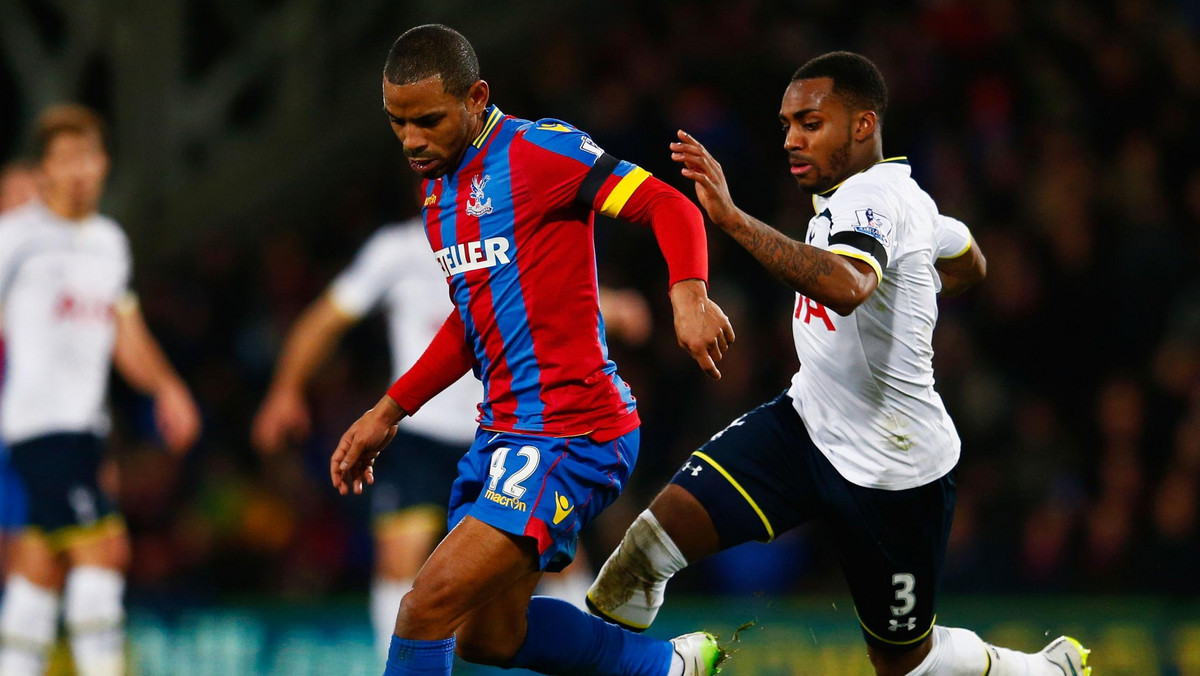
[(470, 256)]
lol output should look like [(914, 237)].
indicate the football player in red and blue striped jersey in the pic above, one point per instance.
[(509, 208)]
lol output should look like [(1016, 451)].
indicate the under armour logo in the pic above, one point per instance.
[(896, 625), (694, 469)]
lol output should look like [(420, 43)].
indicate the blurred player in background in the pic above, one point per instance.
[(412, 485), (861, 441), (508, 212), (18, 185), (68, 317)]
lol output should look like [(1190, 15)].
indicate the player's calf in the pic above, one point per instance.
[(630, 587)]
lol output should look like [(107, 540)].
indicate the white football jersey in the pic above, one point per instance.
[(61, 284), (394, 269), (865, 384)]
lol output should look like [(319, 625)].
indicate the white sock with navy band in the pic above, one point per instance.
[(95, 618), (960, 652), (28, 627), (631, 585)]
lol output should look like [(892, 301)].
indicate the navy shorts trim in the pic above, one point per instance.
[(414, 471), (60, 474), (762, 476)]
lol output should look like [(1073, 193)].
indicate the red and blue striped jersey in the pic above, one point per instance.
[(512, 231)]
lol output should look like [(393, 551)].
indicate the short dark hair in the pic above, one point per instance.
[(66, 118), (855, 79), (433, 50)]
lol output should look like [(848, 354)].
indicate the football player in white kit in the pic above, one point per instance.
[(395, 270), (68, 317), (861, 440)]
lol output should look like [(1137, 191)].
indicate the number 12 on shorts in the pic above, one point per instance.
[(512, 486)]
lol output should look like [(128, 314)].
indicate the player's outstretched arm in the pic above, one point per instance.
[(141, 362), (283, 416), (353, 461), (835, 281)]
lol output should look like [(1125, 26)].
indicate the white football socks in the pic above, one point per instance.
[(95, 618), (28, 627), (386, 595), (960, 652), (632, 582)]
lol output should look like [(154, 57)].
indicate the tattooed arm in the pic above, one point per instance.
[(837, 282)]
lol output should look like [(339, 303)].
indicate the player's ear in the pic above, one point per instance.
[(477, 97), (868, 122)]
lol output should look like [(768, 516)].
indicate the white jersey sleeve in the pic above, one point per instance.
[(953, 237), (863, 220), (374, 271)]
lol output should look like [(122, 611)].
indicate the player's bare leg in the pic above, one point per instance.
[(676, 530), (93, 608), (29, 618), (471, 565), (402, 544), (478, 574)]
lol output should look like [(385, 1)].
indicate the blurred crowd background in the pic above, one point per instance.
[(251, 159)]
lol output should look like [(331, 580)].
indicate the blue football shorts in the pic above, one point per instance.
[(14, 505), (545, 488)]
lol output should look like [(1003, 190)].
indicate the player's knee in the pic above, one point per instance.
[(431, 608), (686, 521)]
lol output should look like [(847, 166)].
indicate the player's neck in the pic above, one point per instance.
[(67, 209), (865, 161)]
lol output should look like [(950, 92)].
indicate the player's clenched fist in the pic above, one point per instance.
[(353, 461), (701, 326)]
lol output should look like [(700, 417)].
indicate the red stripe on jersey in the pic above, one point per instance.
[(558, 276)]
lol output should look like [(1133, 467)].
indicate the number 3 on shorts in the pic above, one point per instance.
[(512, 486), (904, 594)]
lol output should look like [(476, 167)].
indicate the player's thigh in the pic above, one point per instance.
[(746, 480), (891, 545), (33, 558), (472, 565), (60, 476), (494, 632)]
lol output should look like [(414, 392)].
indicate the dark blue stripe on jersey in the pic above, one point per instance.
[(460, 292), (864, 243), (600, 171)]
